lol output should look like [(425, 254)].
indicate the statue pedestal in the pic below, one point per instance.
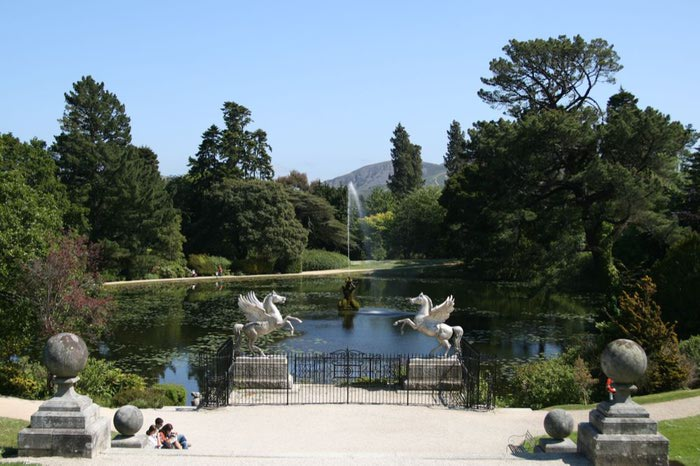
[(66, 425), (262, 372), (434, 373), (622, 434)]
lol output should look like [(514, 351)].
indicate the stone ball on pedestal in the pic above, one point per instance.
[(65, 354), (558, 424), (128, 420), (624, 361)]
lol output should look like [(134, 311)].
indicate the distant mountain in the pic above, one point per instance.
[(377, 174)]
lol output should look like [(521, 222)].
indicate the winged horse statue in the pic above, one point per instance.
[(263, 318), (430, 321)]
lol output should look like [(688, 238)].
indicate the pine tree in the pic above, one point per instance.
[(120, 196), (407, 163), (456, 153)]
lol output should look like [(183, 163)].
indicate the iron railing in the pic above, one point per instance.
[(348, 377)]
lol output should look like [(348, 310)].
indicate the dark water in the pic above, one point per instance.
[(158, 330)]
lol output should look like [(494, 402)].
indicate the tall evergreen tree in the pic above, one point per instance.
[(407, 163), (120, 196), (456, 148)]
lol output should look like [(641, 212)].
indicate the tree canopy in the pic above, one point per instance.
[(407, 163), (557, 73)]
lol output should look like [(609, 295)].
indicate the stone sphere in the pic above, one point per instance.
[(558, 424), (624, 361), (65, 354), (128, 420)]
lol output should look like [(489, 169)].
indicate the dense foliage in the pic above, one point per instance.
[(318, 259), (638, 317), (407, 164)]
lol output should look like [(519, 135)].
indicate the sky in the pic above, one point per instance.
[(327, 80)]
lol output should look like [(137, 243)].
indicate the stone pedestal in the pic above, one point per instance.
[(622, 434), (434, 373), (557, 446), (66, 425), (262, 372), (130, 441)]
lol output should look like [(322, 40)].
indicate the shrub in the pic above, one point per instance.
[(175, 394), (204, 264), (254, 266), (637, 317), (101, 380), (156, 396), (140, 397), (677, 276), (691, 349), (318, 259), (545, 382), (23, 378)]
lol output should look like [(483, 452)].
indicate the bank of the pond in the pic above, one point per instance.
[(356, 268)]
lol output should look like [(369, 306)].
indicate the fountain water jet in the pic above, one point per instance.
[(354, 197)]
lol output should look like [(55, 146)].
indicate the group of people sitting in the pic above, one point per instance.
[(163, 436)]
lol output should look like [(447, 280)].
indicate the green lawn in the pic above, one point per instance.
[(644, 399), (684, 435), (9, 428)]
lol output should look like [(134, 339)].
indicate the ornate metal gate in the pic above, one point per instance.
[(346, 376)]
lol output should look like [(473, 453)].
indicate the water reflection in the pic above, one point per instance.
[(158, 330)]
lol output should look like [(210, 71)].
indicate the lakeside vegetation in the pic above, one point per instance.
[(564, 192)]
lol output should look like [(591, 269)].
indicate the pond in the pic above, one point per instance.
[(157, 330)]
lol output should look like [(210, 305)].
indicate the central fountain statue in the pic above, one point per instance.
[(348, 302)]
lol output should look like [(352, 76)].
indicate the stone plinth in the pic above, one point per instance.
[(620, 432), (434, 373), (130, 441), (66, 425), (262, 372), (557, 446)]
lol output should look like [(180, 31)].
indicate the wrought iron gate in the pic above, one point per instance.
[(346, 376)]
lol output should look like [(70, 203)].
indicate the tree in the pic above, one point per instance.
[(63, 290), (27, 218), (549, 74), (407, 163), (232, 152), (677, 276), (93, 122), (456, 148), (295, 180), (689, 214), (250, 220), (205, 166), (318, 218), (120, 197), (638, 317), (416, 225), (379, 200)]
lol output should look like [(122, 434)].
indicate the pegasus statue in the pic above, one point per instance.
[(430, 321), (263, 318)]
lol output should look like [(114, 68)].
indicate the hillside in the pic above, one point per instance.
[(377, 174)]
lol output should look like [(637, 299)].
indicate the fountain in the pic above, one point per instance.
[(354, 197)]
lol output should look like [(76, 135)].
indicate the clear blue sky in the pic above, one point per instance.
[(328, 80)]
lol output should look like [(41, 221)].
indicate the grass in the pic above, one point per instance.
[(683, 435), (643, 399), (9, 428)]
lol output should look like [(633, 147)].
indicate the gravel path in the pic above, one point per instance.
[(341, 434)]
